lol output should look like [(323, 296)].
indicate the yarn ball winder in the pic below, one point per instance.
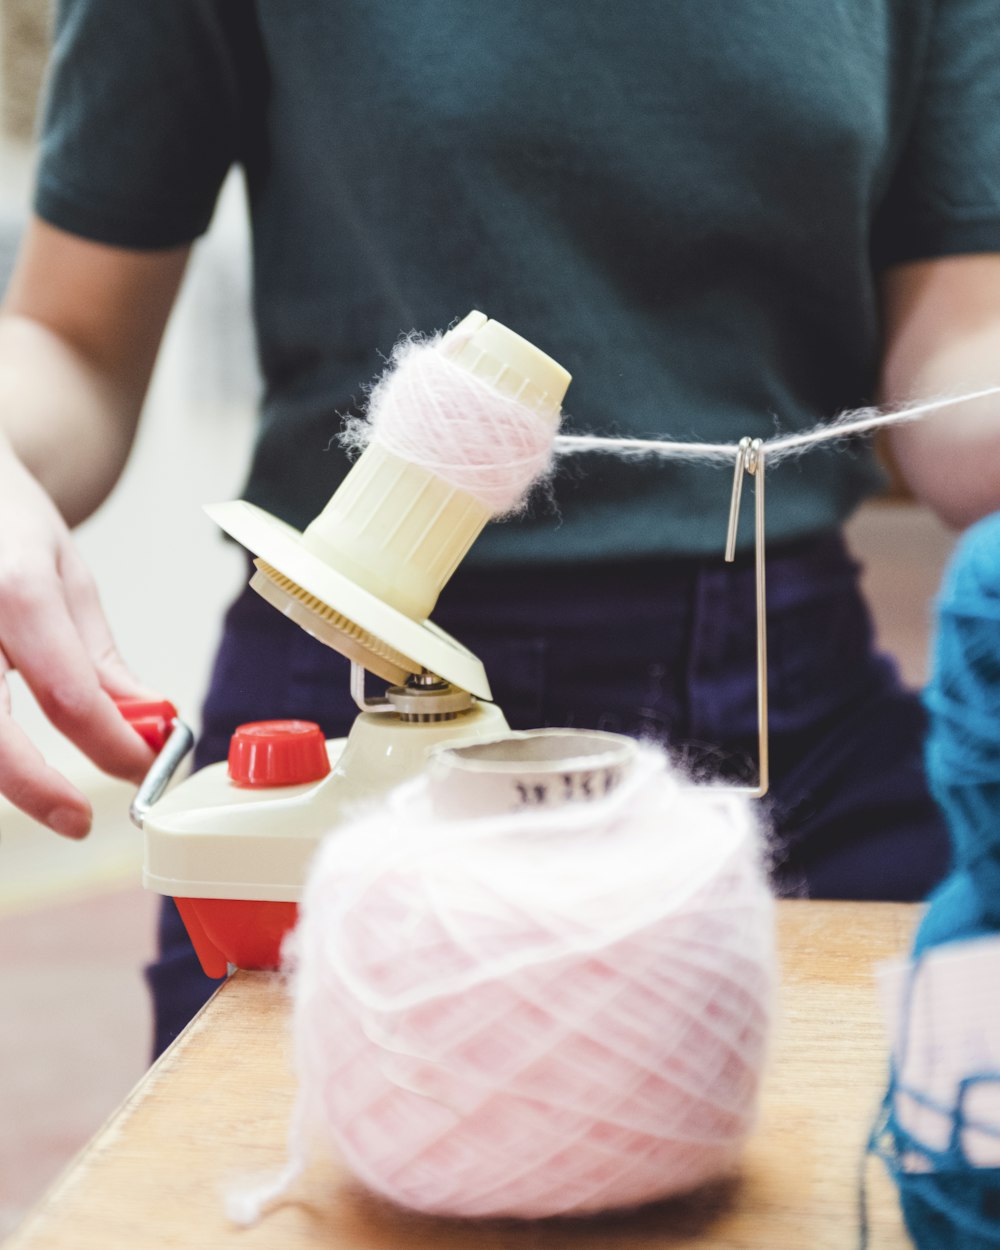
[(232, 843)]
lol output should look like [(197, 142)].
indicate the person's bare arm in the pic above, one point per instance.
[(79, 331), (942, 337)]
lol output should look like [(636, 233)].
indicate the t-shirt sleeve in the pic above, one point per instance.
[(141, 119), (944, 198)]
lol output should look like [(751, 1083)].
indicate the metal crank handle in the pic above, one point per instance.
[(161, 772), (160, 726)]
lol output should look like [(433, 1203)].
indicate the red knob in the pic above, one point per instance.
[(152, 719), (277, 753)]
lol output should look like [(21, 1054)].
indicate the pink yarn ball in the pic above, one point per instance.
[(432, 412), (540, 1014)]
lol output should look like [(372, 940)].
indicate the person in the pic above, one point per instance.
[(714, 215)]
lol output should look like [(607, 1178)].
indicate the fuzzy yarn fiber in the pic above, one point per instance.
[(432, 412)]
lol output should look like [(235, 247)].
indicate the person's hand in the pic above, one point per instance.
[(53, 632), (80, 325)]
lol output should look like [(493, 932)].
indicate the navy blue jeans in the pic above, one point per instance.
[(658, 649)]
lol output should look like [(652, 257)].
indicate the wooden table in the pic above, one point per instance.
[(216, 1107)]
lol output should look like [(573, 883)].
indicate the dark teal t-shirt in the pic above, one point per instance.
[(687, 204)]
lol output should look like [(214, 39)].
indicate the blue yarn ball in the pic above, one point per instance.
[(963, 746), (954, 1208), (956, 914), (949, 1204)]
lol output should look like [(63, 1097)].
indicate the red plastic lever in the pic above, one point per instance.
[(151, 719)]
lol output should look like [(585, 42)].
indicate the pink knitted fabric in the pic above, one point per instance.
[(430, 411), (530, 1015)]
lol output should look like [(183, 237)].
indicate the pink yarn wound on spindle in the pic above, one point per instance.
[(432, 412), (555, 1012)]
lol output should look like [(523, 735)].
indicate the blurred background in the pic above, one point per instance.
[(75, 925)]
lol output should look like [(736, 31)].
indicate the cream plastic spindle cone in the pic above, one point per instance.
[(396, 528), (366, 573)]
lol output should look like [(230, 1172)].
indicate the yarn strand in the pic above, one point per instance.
[(847, 425)]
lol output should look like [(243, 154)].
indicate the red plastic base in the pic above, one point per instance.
[(245, 932)]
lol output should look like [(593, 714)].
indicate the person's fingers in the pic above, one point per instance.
[(31, 784), (42, 642), (84, 604)]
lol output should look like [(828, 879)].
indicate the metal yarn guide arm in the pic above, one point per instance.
[(750, 461)]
